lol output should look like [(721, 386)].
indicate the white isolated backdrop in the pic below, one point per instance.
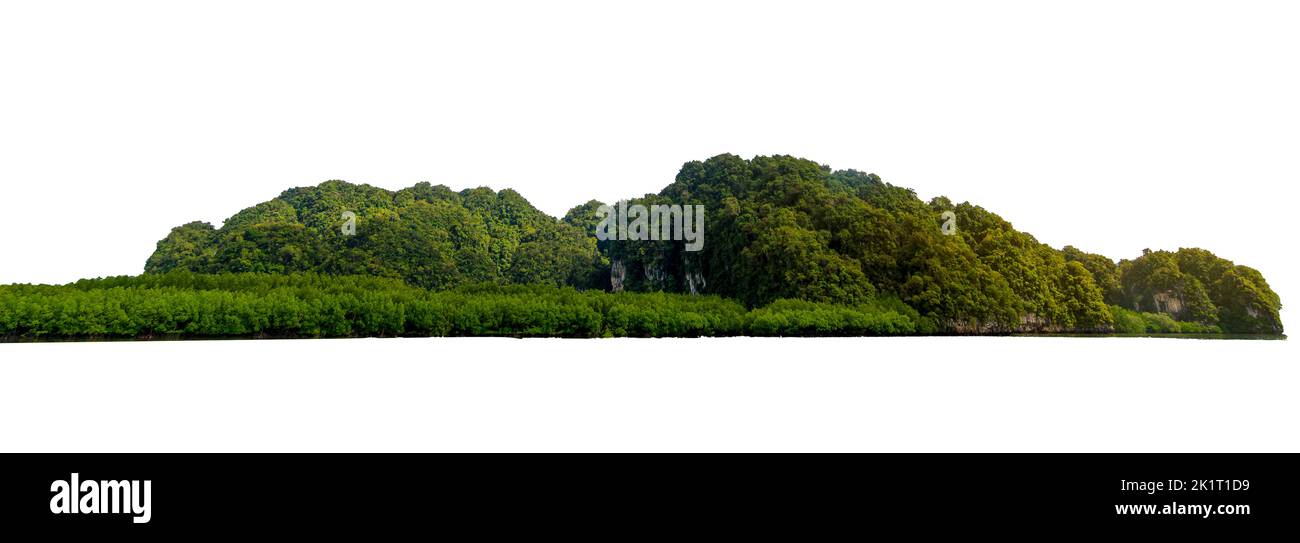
[(1112, 126), (982, 394)]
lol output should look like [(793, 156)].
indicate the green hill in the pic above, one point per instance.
[(778, 228)]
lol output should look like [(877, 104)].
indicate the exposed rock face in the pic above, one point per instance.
[(1030, 323), (695, 282), (617, 275), (648, 276), (655, 276), (965, 327), (1170, 302)]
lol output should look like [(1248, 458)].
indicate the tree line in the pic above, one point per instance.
[(778, 228), (183, 304), (308, 305)]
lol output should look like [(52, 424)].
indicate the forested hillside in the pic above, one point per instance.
[(429, 236), (778, 229), (782, 227)]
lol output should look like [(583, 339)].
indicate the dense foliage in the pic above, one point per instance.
[(1134, 322), (1190, 285), (777, 228), (184, 304), (782, 227), (428, 236)]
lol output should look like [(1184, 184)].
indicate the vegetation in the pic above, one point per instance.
[(1133, 322), (428, 236), (185, 304), (792, 248), (781, 227)]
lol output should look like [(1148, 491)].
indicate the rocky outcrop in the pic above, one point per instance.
[(1029, 323), (617, 275), (695, 282), (655, 276), (1170, 302)]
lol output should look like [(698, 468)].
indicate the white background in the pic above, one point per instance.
[(746, 394), (1112, 126)]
